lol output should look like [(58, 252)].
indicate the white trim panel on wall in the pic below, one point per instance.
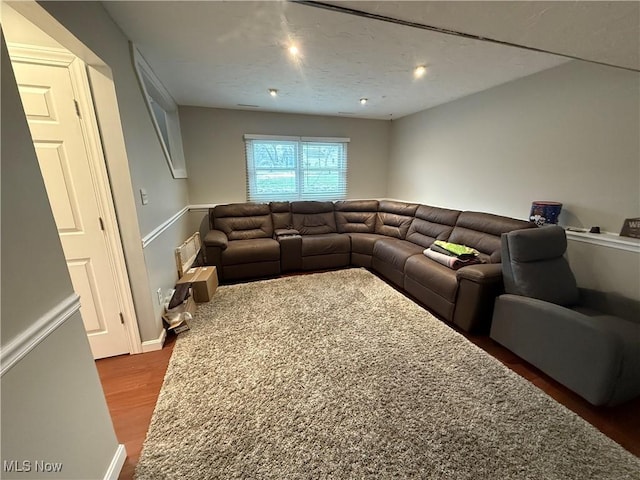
[(606, 239), (156, 232), (115, 467), (202, 207), (156, 344), (30, 338)]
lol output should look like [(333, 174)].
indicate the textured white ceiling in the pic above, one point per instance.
[(606, 32), (228, 54)]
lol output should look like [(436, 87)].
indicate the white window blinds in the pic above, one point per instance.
[(295, 168)]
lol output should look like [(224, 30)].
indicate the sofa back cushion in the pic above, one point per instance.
[(242, 221), (281, 215), (313, 218), (394, 218), (356, 216), (482, 231), (431, 224)]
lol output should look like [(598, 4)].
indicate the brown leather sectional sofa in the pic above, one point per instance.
[(249, 240)]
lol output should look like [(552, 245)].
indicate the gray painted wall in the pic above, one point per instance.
[(606, 269), (93, 26), (53, 409), (214, 149), (52, 405), (569, 134)]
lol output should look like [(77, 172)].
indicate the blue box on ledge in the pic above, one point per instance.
[(545, 213)]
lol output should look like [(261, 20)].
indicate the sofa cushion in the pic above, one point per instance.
[(395, 252), (313, 218), (394, 218), (437, 278), (325, 244), (356, 215), (281, 215), (363, 242), (431, 224), (482, 231), (242, 221), (251, 251)]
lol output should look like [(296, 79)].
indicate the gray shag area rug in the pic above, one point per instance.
[(338, 375)]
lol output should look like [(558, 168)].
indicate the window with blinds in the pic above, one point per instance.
[(295, 168)]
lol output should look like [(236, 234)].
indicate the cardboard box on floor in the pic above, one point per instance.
[(204, 281)]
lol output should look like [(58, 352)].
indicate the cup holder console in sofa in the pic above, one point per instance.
[(249, 240)]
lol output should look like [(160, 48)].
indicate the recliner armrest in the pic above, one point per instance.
[(481, 273), (581, 352), (216, 238)]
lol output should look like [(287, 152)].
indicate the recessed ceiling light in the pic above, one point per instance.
[(293, 50), (273, 92), (419, 71), (363, 101)]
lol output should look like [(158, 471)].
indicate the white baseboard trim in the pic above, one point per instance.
[(156, 232), (156, 344), (17, 348), (115, 467)]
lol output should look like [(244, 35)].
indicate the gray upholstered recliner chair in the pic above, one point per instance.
[(546, 320)]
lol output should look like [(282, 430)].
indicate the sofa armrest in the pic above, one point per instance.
[(478, 287), (581, 352), (215, 241), (216, 238), (481, 273)]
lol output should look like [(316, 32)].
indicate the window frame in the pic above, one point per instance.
[(298, 168)]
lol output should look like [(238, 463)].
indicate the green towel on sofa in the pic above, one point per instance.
[(456, 248)]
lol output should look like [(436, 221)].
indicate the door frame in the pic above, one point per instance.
[(99, 174)]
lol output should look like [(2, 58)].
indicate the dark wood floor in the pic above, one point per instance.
[(131, 385)]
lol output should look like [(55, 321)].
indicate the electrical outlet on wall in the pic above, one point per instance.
[(160, 296), (168, 295)]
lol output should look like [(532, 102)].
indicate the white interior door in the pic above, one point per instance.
[(52, 113)]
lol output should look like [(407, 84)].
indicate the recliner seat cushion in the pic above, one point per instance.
[(325, 244), (395, 252), (251, 251), (437, 278), (364, 242)]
